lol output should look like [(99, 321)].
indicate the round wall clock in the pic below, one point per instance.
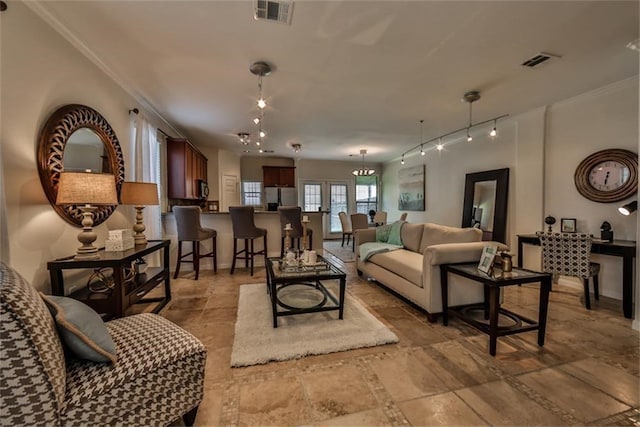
[(608, 175)]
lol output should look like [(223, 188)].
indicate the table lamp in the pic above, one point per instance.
[(86, 190), (139, 194)]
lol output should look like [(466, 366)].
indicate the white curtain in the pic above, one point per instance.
[(146, 168)]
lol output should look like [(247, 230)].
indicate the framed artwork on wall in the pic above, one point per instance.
[(411, 189), (568, 225)]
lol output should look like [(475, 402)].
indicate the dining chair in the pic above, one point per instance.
[(568, 254), (359, 221), (380, 218), (346, 227)]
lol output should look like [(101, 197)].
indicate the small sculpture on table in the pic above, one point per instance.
[(549, 221)]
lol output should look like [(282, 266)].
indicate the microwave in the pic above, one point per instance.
[(203, 189)]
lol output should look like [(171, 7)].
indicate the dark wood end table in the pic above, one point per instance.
[(491, 305)]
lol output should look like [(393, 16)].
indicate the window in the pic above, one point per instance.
[(252, 193), (339, 203), (312, 197), (366, 193)]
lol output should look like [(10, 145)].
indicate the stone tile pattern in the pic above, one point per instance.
[(587, 372)]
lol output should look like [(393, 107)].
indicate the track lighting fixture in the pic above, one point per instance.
[(629, 208), (244, 138), (421, 147), (469, 97)]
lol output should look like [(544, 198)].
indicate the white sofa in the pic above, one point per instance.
[(414, 271)]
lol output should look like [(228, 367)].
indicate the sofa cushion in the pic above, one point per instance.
[(435, 234), (404, 263), (81, 329), (411, 236)]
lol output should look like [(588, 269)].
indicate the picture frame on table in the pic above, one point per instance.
[(568, 225), (487, 259), (214, 206)]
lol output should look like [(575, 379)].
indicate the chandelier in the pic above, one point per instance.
[(260, 69), (363, 171)]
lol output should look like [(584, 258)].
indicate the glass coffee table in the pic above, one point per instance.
[(299, 288)]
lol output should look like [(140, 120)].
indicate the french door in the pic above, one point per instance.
[(327, 195)]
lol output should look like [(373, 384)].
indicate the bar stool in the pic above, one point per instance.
[(293, 215), (190, 230), (244, 228)]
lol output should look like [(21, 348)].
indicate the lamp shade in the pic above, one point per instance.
[(76, 188), (139, 193)]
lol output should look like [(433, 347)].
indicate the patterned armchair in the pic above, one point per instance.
[(568, 254), (158, 377)]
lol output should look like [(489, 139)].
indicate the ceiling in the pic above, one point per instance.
[(349, 75)]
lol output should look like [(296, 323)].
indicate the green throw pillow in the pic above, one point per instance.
[(382, 233), (394, 233), (81, 329)]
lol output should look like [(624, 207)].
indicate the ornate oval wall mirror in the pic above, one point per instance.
[(77, 138)]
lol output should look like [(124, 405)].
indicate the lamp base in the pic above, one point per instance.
[(86, 255), (139, 227), (87, 236)]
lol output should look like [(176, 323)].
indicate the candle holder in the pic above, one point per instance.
[(305, 221)]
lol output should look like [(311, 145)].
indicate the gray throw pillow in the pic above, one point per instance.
[(81, 329)]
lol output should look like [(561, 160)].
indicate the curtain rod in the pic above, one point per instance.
[(164, 133)]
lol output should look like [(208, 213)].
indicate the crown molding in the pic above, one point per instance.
[(37, 6)]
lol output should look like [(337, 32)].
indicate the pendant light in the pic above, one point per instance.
[(470, 97), (260, 69), (363, 171), (421, 146)]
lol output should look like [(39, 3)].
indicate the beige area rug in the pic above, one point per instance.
[(257, 341), (345, 253)]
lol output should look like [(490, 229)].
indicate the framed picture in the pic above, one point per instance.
[(411, 189), (568, 225), (213, 206), (487, 258)]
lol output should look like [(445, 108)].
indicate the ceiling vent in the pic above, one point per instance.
[(279, 11), (539, 59)]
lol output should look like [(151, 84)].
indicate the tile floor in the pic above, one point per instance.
[(588, 372)]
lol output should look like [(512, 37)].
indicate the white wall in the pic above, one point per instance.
[(41, 72), (576, 128), (542, 148)]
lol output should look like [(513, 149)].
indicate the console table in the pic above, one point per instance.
[(626, 249), (124, 294)]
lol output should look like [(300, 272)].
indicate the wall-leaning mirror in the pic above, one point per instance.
[(485, 203), (77, 138)]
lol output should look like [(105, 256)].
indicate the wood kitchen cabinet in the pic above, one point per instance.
[(185, 166), (278, 176)]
